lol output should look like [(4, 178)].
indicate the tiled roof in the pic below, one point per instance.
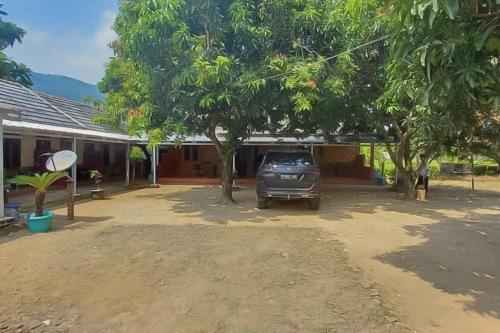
[(42, 109)]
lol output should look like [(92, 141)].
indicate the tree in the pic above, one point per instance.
[(442, 74), (9, 69), (41, 183), (135, 155), (483, 138), (224, 69)]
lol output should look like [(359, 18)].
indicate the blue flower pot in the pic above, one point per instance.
[(39, 223)]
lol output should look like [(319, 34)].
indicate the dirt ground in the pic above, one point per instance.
[(174, 260)]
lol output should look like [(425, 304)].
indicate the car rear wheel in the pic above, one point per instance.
[(314, 204), (261, 202)]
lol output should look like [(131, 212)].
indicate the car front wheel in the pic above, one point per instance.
[(314, 204), (261, 202)]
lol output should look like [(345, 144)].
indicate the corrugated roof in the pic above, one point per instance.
[(42, 109)]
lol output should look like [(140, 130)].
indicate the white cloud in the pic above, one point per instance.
[(68, 53)]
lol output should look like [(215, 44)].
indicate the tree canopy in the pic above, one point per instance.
[(10, 70), (227, 68), (422, 71), (442, 76)]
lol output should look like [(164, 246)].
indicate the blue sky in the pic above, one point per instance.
[(67, 37)]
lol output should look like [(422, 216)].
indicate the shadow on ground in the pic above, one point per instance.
[(207, 278), (459, 256), (461, 248)]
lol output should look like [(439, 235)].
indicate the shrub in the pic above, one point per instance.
[(434, 169), (485, 169)]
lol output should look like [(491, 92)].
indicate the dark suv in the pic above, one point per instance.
[(288, 175)]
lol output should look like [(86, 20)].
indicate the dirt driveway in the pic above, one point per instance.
[(173, 259)]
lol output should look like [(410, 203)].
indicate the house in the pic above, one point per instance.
[(340, 161), (47, 124)]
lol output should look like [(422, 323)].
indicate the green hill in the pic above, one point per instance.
[(64, 86)]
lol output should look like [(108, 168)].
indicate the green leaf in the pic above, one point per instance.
[(451, 8), (431, 18), (435, 5), (484, 36), (423, 56)]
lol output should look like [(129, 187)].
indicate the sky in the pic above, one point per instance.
[(66, 37)]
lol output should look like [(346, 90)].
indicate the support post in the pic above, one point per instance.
[(234, 161), (472, 166), (73, 168), (2, 208), (153, 164), (234, 171), (70, 199), (372, 156), (127, 166), (396, 172)]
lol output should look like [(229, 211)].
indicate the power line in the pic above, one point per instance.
[(376, 40)]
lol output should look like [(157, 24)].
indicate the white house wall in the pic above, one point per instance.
[(28, 144)]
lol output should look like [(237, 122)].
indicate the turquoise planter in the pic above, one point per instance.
[(39, 223)]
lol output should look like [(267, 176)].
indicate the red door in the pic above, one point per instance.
[(171, 161)]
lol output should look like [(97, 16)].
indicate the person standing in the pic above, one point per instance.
[(423, 173)]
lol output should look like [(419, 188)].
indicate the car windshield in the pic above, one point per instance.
[(288, 159)]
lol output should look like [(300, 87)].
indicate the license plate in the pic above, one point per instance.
[(288, 177)]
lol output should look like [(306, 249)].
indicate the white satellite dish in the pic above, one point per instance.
[(61, 160)]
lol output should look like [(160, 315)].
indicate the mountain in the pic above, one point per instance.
[(63, 86)]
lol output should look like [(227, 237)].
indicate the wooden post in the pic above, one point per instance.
[(73, 167), (70, 197), (472, 166), (127, 166), (372, 156)]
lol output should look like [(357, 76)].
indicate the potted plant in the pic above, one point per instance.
[(40, 220), (98, 193), (135, 155)]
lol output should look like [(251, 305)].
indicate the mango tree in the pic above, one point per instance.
[(223, 68), (441, 75)]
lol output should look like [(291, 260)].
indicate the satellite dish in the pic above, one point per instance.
[(61, 160)]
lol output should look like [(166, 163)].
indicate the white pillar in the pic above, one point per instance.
[(2, 212), (127, 166), (396, 169), (73, 168), (153, 164)]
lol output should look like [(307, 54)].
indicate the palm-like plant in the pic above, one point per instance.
[(41, 183)]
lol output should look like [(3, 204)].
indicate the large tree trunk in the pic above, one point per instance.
[(39, 198), (403, 158), (225, 150), (227, 177), (409, 185)]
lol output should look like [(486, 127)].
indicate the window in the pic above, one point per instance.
[(288, 158), (194, 153), (105, 154), (186, 153), (89, 147), (66, 144), (12, 153), (43, 144)]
